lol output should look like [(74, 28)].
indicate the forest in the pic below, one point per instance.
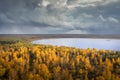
[(21, 60)]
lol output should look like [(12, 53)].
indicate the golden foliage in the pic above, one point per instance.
[(45, 62)]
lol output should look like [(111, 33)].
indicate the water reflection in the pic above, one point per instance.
[(110, 44)]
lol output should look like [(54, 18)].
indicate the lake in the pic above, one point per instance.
[(108, 44)]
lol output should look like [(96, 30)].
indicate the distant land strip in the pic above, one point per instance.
[(32, 37)]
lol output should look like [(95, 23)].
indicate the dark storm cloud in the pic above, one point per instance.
[(60, 16)]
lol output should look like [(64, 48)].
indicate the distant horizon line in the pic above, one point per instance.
[(59, 34), (37, 36)]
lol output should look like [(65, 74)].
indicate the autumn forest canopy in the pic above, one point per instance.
[(21, 60)]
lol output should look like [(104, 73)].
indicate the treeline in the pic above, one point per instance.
[(11, 41), (44, 62)]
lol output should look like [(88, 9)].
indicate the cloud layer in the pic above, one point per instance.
[(59, 17)]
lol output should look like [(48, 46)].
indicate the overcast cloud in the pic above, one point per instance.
[(60, 17)]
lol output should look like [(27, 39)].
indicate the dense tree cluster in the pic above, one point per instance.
[(9, 41), (44, 62)]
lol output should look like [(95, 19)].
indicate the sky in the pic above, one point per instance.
[(60, 17)]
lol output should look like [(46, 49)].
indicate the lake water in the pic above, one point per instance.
[(108, 44)]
